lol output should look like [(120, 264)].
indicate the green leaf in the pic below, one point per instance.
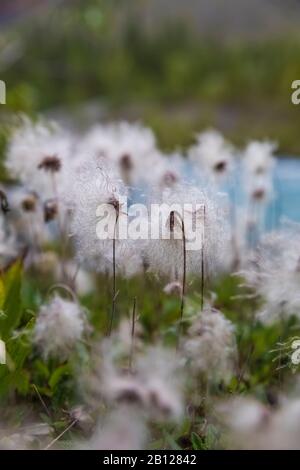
[(12, 308), (212, 436), (21, 381), (197, 442), (171, 441), (41, 369), (2, 293), (58, 374)]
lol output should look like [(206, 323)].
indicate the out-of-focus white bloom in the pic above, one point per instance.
[(257, 173), (27, 218), (31, 436), (30, 144), (259, 189), (129, 258), (158, 370), (95, 188), (153, 385), (258, 158), (80, 279), (162, 171), (274, 274), (84, 283), (210, 346), (248, 423), (287, 422), (173, 288), (129, 148), (252, 425), (124, 335), (60, 325), (245, 414), (122, 429), (205, 228), (48, 263), (8, 242), (212, 154)]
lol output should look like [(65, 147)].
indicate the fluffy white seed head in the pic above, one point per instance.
[(258, 158), (28, 148), (252, 425), (210, 346), (59, 326), (274, 275), (212, 154), (121, 429), (205, 231), (130, 149), (95, 187), (154, 390)]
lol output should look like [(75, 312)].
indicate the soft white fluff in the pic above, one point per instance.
[(59, 326)]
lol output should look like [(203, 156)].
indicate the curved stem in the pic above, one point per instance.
[(183, 282), (61, 230), (132, 334), (202, 261), (114, 293), (183, 272)]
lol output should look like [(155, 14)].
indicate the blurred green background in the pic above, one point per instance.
[(178, 66)]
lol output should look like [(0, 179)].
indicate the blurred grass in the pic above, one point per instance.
[(57, 382), (173, 81)]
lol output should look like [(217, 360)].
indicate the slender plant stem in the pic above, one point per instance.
[(61, 434), (41, 400), (114, 293), (183, 288), (183, 272), (61, 230), (202, 262), (132, 334)]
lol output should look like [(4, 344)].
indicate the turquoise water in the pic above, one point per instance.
[(287, 189), (285, 203)]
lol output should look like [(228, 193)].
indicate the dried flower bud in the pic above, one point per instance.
[(126, 162), (4, 202), (50, 210), (50, 163), (113, 201), (220, 166), (29, 202), (259, 194), (169, 178), (173, 288)]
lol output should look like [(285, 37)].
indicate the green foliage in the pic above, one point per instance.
[(10, 300), (32, 378), (173, 80)]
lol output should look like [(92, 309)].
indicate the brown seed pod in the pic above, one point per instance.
[(50, 163), (50, 210), (4, 202), (29, 202)]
